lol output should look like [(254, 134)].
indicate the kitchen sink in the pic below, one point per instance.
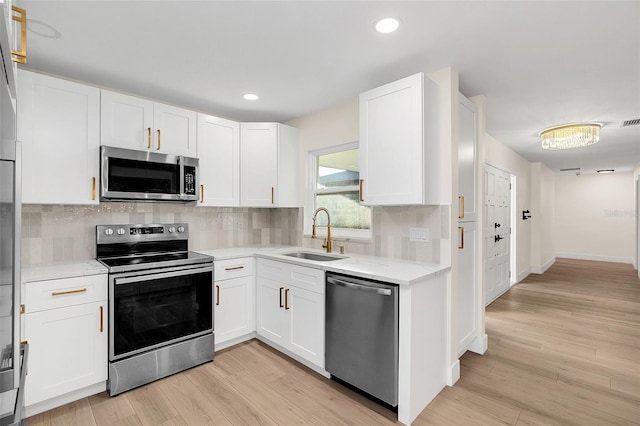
[(313, 256)]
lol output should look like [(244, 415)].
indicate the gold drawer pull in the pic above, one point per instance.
[(21, 55), (93, 188), (202, 193), (273, 190), (158, 140), (61, 293), (286, 299), (281, 305), (361, 182), (234, 268), (461, 245), (217, 295), (101, 319), (148, 137), (461, 202)]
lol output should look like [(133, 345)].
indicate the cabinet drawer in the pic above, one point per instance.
[(50, 294), (303, 277), (232, 268)]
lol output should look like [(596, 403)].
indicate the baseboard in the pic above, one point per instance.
[(61, 400), (522, 275), (480, 344), (595, 257), (232, 342), (453, 373), (296, 357), (542, 269)]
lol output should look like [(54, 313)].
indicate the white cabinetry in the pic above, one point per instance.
[(59, 126), (269, 159), (234, 299), (219, 154), (468, 294), (467, 137), (135, 123), (467, 300), (290, 311), (400, 144), (65, 323)]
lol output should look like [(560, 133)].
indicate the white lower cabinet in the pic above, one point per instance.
[(65, 323), (290, 308), (467, 301), (234, 309)]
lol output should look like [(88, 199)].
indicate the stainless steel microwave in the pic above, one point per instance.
[(130, 175)]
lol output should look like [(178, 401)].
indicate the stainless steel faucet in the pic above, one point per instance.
[(327, 245)]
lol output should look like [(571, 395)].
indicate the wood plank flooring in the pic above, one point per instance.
[(564, 349)]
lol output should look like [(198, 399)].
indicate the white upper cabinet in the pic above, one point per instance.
[(219, 154), (467, 146), (135, 123), (400, 144), (59, 126), (269, 159)]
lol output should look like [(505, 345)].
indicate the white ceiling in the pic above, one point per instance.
[(538, 63)]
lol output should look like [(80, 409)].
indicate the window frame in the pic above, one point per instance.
[(313, 190)]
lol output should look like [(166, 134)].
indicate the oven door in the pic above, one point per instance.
[(158, 307)]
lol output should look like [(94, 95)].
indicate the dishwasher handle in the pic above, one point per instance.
[(362, 287)]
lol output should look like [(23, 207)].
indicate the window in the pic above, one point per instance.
[(335, 185)]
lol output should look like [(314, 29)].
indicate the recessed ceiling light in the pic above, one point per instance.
[(387, 25), (605, 171), (250, 97)]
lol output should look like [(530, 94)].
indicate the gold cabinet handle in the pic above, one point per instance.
[(202, 193), (101, 319), (22, 308), (461, 245), (217, 295), (62, 293), (148, 137), (286, 299), (461, 206), (21, 55), (273, 190), (93, 188), (281, 305), (361, 182), (233, 268), (158, 149)]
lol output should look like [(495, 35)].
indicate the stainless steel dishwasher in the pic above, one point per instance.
[(361, 338)]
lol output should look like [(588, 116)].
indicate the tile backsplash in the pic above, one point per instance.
[(52, 233)]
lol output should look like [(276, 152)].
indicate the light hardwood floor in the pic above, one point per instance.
[(564, 348)]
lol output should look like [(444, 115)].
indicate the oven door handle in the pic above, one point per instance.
[(155, 276)]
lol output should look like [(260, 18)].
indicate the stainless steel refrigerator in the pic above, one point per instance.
[(11, 356)]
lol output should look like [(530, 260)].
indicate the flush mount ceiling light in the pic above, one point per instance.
[(387, 25), (250, 96), (605, 171), (570, 135)]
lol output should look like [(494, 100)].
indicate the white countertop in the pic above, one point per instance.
[(62, 270), (395, 271)]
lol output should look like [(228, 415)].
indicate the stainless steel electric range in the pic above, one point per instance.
[(160, 302)]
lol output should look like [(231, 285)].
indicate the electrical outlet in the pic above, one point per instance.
[(420, 235)]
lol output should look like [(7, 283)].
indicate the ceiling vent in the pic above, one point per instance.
[(628, 123), (575, 169)]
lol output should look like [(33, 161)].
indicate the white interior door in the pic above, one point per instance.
[(497, 225)]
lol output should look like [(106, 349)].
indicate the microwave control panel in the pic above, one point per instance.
[(189, 180)]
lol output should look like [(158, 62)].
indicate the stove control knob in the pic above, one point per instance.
[(180, 228), (108, 231), (120, 231), (172, 229)]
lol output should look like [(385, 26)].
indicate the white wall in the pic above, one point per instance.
[(542, 220), (595, 217), (636, 176)]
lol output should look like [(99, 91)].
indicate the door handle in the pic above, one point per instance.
[(496, 225), (497, 238)]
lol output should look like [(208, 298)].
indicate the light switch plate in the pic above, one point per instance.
[(420, 235)]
